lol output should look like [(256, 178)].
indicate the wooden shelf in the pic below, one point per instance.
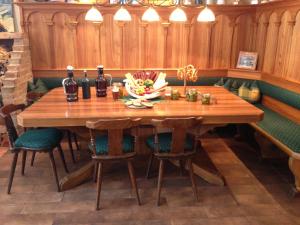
[(246, 74)]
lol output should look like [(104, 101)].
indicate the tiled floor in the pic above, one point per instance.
[(256, 194)]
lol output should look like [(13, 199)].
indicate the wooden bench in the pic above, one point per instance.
[(280, 127)]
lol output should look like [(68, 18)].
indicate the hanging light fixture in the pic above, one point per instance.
[(122, 14), (93, 15), (178, 15), (150, 15), (206, 15)]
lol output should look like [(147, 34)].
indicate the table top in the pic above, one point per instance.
[(52, 110)]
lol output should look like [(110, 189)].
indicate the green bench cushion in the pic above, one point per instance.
[(281, 94), (46, 138), (281, 128), (102, 144), (164, 140)]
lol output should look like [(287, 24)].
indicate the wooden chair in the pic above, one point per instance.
[(113, 146), (34, 140), (175, 145), (31, 98)]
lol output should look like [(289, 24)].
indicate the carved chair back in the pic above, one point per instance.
[(179, 128), (5, 114), (115, 129)]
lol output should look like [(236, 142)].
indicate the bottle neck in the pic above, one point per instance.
[(100, 73), (70, 74)]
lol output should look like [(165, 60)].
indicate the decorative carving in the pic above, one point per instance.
[(277, 23), (72, 24), (165, 24), (266, 24), (292, 22), (49, 22)]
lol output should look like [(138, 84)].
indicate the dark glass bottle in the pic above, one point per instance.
[(101, 83), (86, 88), (70, 86)]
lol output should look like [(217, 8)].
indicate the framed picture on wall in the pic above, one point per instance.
[(247, 60)]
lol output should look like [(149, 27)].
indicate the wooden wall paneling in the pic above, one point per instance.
[(243, 36), (176, 45), (39, 33), (261, 36), (154, 45), (132, 38), (284, 44), (63, 39), (221, 43), (271, 43), (199, 44), (88, 43), (111, 42), (294, 59)]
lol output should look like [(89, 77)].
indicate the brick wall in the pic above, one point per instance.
[(19, 72)]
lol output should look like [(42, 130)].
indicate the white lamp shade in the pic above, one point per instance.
[(93, 15), (122, 15), (206, 15), (150, 15), (178, 15)]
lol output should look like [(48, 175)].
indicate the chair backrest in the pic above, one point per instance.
[(115, 128), (5, 114), (180, 128), (33, 96)]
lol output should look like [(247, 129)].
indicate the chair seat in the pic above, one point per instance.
[(102, 144), (164, 140), (47, 138)]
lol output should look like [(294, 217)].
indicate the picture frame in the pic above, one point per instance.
[(247, 60)]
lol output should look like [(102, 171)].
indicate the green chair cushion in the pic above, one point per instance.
[(281, 94), (164, 140), (38, 87), (281, 128), (227, 84), (46, 138), (220, 83), (31, 86), (102, 144)]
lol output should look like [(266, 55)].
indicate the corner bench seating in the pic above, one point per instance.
[(281, 123)]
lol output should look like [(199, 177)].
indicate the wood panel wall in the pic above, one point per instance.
[(60, 36)]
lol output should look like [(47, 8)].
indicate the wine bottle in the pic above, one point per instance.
[(101, 82), (86, 88), (70, 86)]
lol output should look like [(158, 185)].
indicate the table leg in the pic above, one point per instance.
[(207, 171), (77, 177)]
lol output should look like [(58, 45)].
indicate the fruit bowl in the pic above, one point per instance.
[(145, 85)]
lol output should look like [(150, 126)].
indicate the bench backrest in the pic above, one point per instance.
[(285, 96)]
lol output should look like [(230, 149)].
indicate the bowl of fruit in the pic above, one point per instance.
[(145, 84)]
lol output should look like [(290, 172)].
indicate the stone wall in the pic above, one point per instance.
[(19, 71)]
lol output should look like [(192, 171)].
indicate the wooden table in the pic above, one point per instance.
[(52, 110)]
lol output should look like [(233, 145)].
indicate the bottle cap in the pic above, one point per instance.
[(100, 66), (84, 71), (70, 67)]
